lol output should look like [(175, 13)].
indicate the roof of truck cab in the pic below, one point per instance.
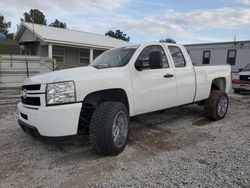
[(70, 37), (154, 43)]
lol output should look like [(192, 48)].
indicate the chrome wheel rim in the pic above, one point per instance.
[(222, 106), (120, 128)]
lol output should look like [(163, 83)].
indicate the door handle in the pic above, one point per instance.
[(168, 75)]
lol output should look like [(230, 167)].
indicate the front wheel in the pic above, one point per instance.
[(216, 105), (237, 91), (109, 128)]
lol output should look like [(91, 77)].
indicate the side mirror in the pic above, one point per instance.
[(240, 70), (155, 60), (138, 65)]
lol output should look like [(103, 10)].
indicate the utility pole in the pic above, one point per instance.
[(32, 19)]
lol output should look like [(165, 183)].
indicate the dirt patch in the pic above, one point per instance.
[(202, 122), (159, 139), (171, 148)]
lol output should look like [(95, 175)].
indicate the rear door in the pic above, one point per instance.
[(153, 88), (184, 75)]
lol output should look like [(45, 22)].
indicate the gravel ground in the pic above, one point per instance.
[(171, 148)]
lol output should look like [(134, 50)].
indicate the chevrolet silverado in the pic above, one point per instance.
[(118, 84)]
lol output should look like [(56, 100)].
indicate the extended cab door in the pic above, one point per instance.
[(153, 80), (184, 75)]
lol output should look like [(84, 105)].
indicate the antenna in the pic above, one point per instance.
[(235, 36)]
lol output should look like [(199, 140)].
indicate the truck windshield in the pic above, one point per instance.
[(114, 58), (247, 68)]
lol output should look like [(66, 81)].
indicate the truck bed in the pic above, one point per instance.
[(206, 74)]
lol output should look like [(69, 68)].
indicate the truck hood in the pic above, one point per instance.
[(61, 75)]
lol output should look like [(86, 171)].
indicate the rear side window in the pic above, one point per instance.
[(144, 56), (177, 55)]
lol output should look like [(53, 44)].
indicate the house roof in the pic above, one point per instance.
[(217, 43), (69, 37)]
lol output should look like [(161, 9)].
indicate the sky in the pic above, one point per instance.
[(186, 21)]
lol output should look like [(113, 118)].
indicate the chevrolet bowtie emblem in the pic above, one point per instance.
[(24, 93)]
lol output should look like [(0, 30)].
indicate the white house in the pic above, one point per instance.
[(237, 53), (68, 47)]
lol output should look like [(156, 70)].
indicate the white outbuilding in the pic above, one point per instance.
[(236, 54)]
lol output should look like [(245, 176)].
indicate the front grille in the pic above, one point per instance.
[(31, 100), (245, 77), (32, 87), (35, 101)]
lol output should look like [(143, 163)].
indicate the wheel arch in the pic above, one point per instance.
[(111, 95), (94, 99), (219, 84)]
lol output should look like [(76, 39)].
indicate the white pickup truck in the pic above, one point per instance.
[(120, 83)]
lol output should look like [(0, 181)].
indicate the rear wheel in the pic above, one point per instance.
[(109, 128), (216, 105)]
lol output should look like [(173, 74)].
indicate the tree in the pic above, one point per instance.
[(59, 24), (34, 16), (10, 36), (4, 26), (118, 34), (168, 40)]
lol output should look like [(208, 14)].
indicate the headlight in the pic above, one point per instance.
[(235, 77), (60, 92)]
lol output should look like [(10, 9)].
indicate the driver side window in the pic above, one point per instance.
[(145, 56)]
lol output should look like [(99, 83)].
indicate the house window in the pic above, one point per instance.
[(231, 57), (58, 54), (206, 57), (31, 49), (96, 53), (84, 56)]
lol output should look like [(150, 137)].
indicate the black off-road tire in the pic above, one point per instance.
[(101, 124), (237, 91), (211, 105)]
